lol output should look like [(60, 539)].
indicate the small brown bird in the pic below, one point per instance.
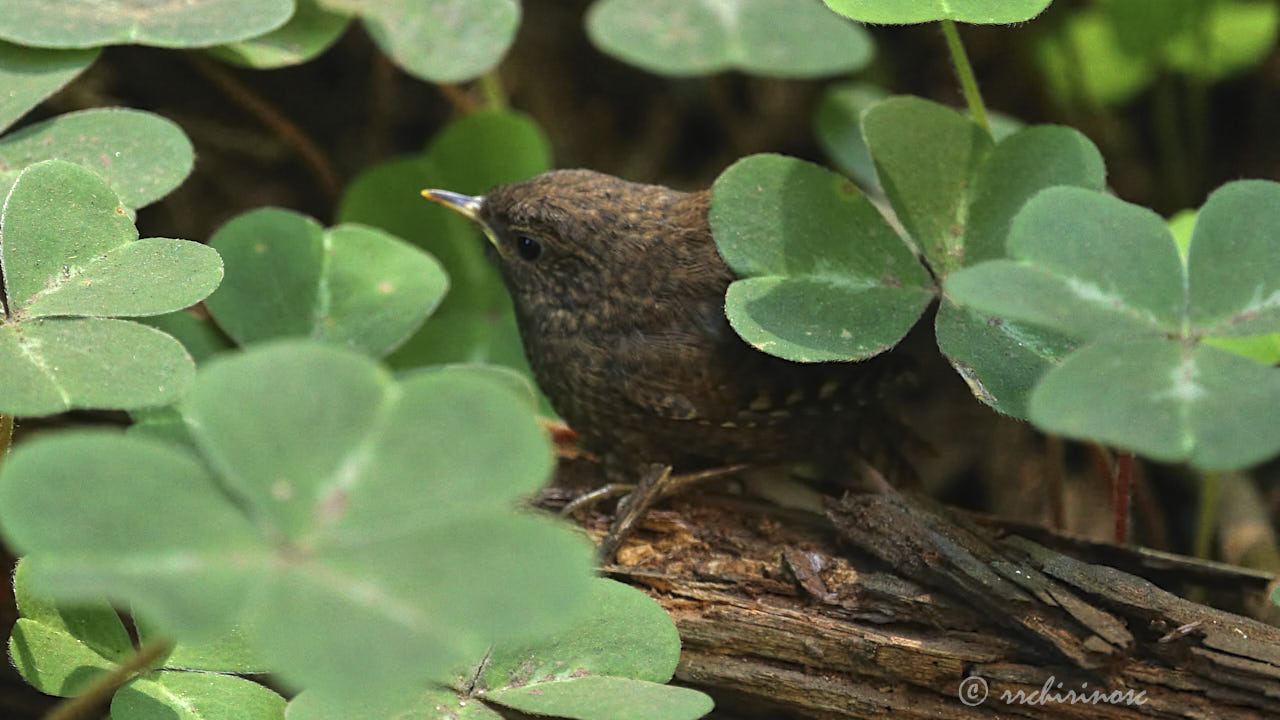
[(619, 296)]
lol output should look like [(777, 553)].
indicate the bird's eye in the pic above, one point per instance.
[(528, 248)]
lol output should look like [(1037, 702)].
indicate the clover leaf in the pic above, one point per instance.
[(142, 156), (609, 666), (324, 493), (475, 322), (29, 75), (902, 12), (81, 24), (1110, 275), (444, 41), (72, 263), (351, 285), (311, 31), (823, 276), (956, 193), (61, 649), (779, 38)]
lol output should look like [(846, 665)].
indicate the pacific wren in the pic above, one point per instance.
[(619, 296)]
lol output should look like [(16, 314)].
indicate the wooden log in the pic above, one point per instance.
[(889, 606)]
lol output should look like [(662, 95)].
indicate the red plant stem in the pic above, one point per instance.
[(1122, 496)]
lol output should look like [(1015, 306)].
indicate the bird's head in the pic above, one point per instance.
[(573, 246)]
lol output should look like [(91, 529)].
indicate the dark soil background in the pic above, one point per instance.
[(358, 109)]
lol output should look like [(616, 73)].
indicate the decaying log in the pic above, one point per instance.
[(885, 608)]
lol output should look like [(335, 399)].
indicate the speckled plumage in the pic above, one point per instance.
[(622, 318)]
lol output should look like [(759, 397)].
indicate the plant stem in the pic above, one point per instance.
[(1078, 99), (266, 113), (460, 100), (1197, 105), (495, 98), (1119, 475), (106, 685), (6, 435), (968, 83), (1122, 496), (1207, 523), (1171, 141), (1101, 460), (492, 96)]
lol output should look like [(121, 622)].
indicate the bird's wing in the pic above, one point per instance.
[(671, 375)]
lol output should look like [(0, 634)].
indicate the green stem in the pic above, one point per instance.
[(106, 685), (1197, 105), (1170, 139), (495, 98), (1078, 98), (462, 102), (968, 83), (1210, 486)]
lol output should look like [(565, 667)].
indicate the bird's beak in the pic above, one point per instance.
[(465, 205)]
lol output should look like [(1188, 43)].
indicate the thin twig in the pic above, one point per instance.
[(1121, 496), (1101, 459), (266, 113), (106, 685), (1110, 470)]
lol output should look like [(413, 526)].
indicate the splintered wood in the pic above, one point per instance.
[(890, 608)]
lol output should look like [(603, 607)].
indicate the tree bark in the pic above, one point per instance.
[(888, 606)]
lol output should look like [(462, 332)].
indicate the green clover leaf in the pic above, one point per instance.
[(72, 262)]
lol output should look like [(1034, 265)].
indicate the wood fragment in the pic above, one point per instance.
[(888, 608)]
